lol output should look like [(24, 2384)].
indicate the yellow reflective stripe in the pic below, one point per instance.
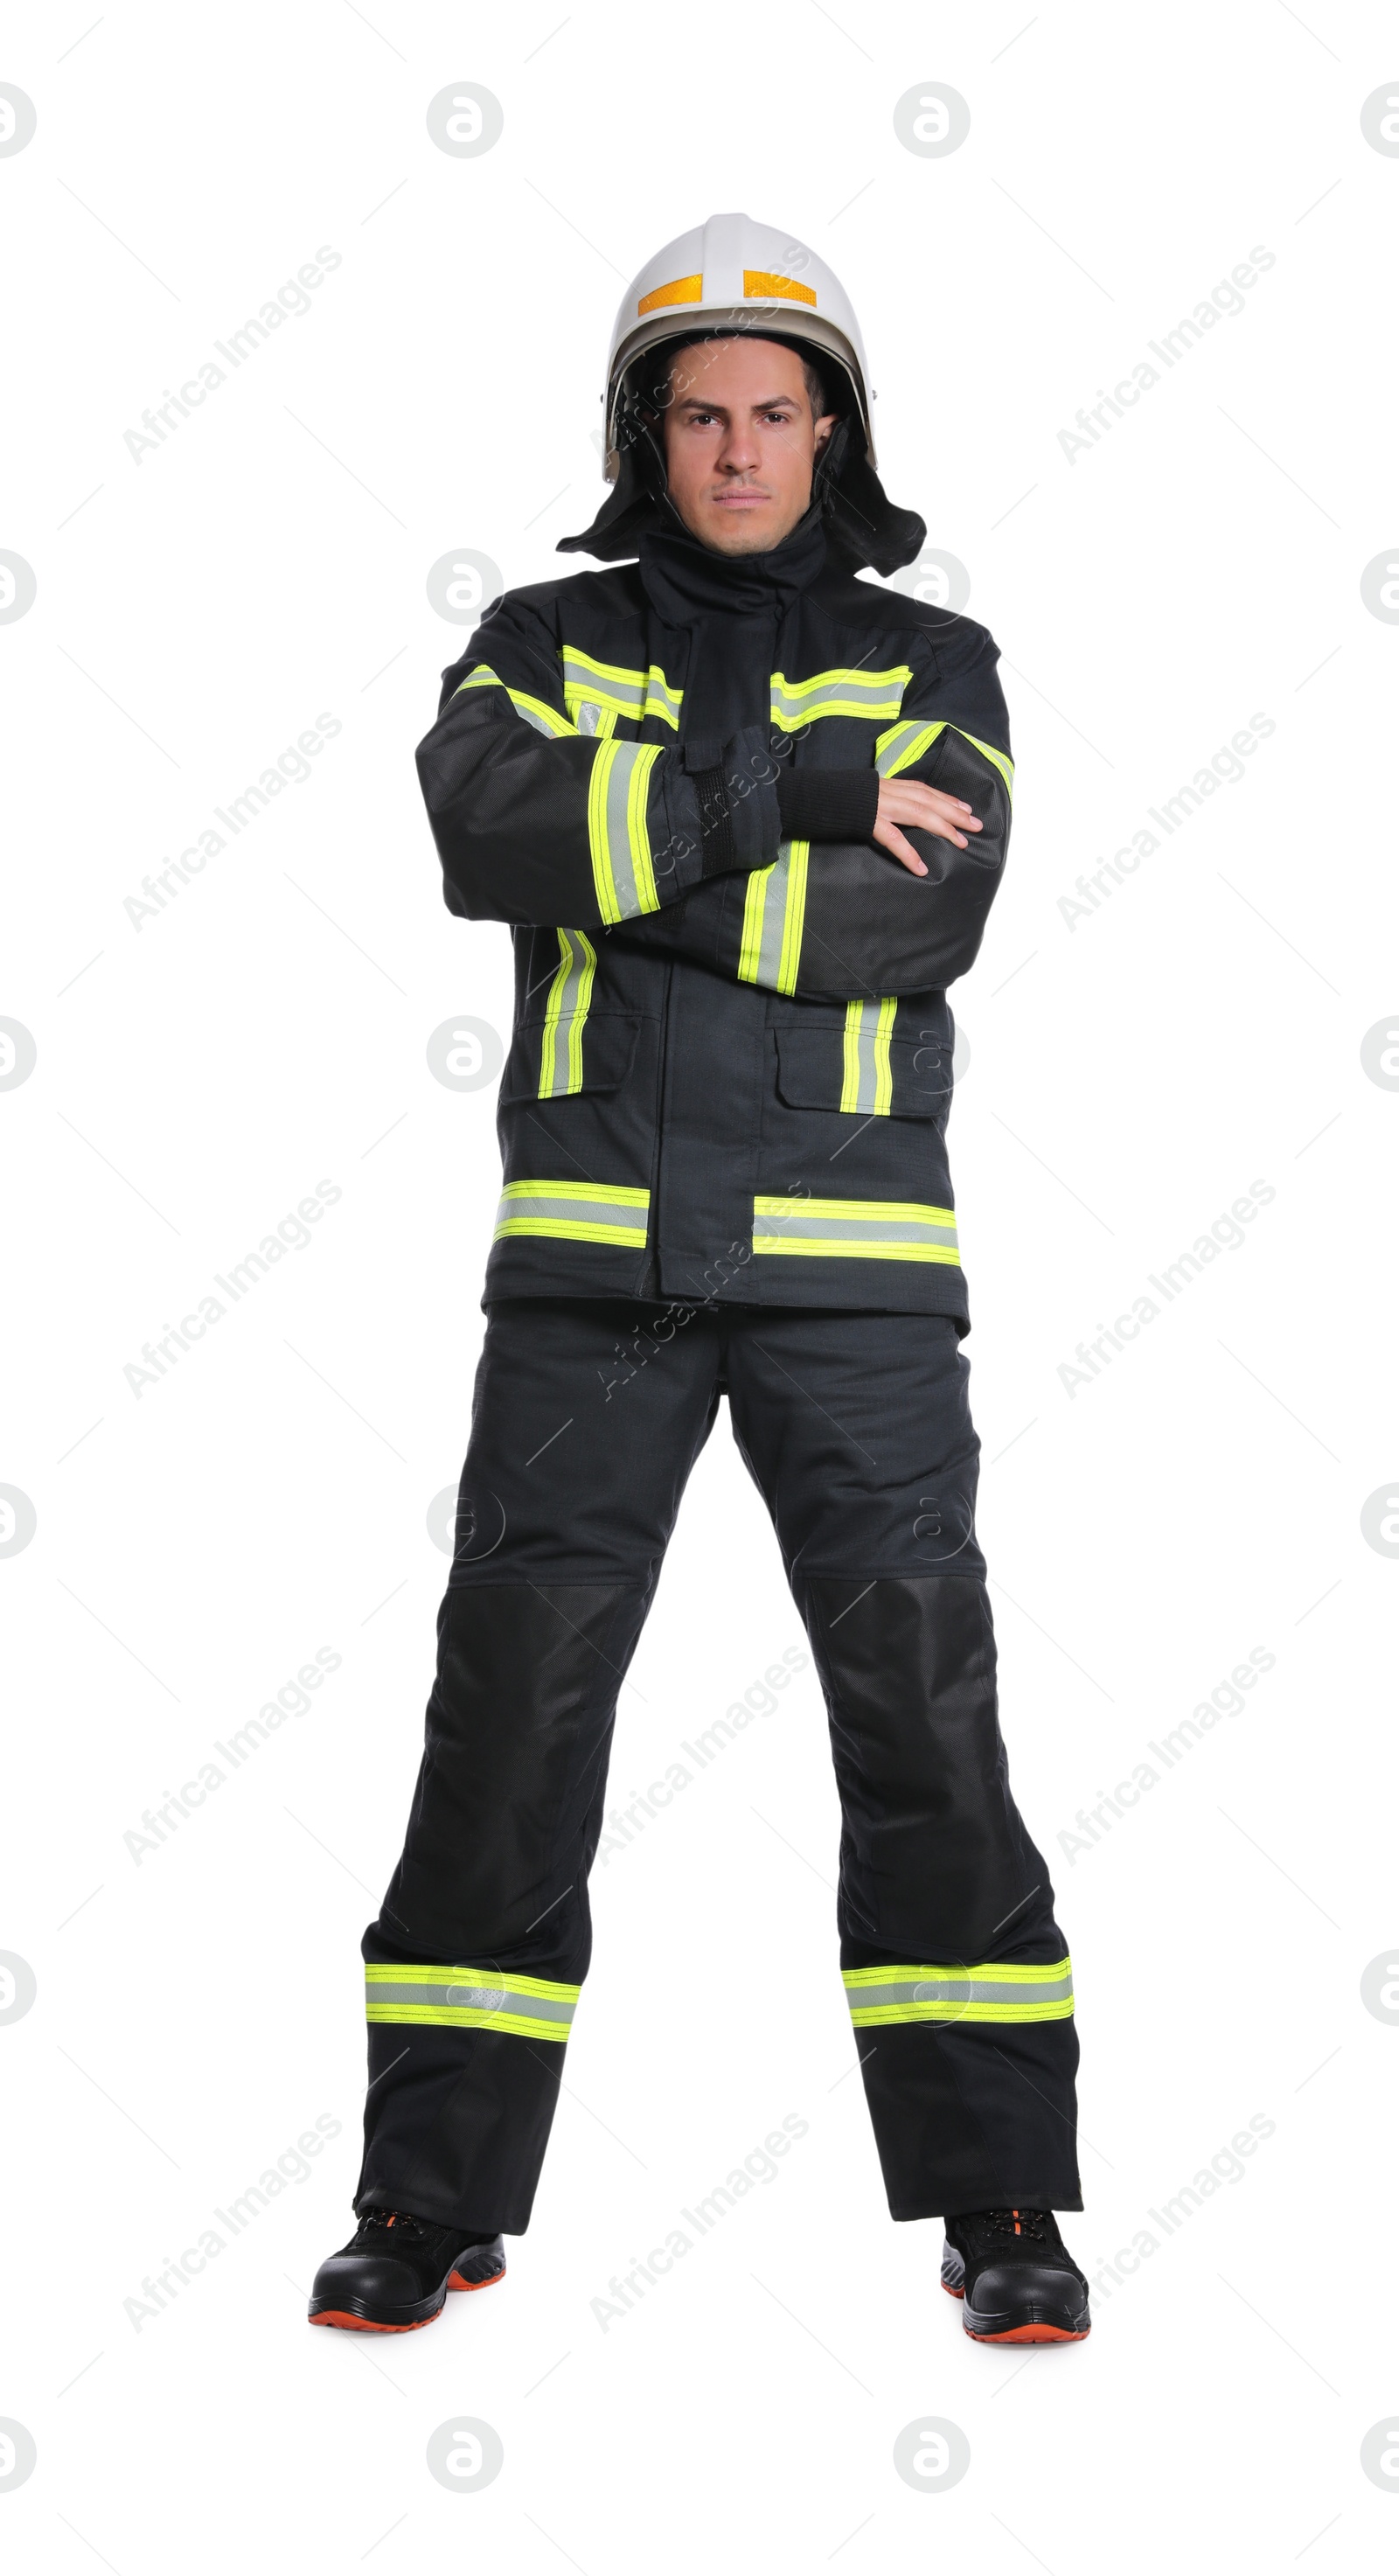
[(850, 1087), (868, 1086), (991, 1992), (623, 691), (904, 744), (470, 1999), (873, 694), (999, 759), (855, 1230), (870, 2016), (552, 1009), (620, 845), (774, 915), (536, 711), (574, 1212), (638, 838), (662, 699), (883, 1071), (582, 1003), (751, 944), (794, 918), (598, 844), (570, 996), (461, 2017), (384, 1973)]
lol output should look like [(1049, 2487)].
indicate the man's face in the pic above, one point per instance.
[(741, 442)]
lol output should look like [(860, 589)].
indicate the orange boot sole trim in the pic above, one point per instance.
[(1022, 2334), (368, 2325), (1034, 2334)]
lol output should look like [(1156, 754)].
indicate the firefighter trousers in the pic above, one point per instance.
[(856, 1427)]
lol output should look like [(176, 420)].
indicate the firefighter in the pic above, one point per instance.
[(746, 815)]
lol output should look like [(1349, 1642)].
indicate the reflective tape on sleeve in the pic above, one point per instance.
[(855, 1230), (904, 744), (994, 1992), (574, 1212), (621, 691), (795, 703), (618, 837), (470, 1999), (536, 711), (774, 915), (566, 1012), (868, 1086)]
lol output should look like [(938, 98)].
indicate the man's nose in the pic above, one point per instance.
[(738, 451)]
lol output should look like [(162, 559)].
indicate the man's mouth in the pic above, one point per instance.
[(742, 496)]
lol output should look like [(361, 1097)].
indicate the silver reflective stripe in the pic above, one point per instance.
[(774, 920), (605, 685), (565, 1206), (904, 744), (661, 699), (847, 1221), (795, 703), (864, 1048), (774, 917), (596, 685), (454, 1996), (867, 1088), (957, 1991), (535, 711), (630, 898), (861, 1229), (561, 1043)]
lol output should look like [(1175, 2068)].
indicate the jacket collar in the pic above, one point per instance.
[(684, 579)]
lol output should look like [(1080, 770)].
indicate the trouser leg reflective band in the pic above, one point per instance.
[(989, 1993), (469, 1999)]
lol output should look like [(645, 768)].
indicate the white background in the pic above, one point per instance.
[(1130, 1077)]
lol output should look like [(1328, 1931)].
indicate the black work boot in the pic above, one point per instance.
[(1016, 2275), (396, 2271)]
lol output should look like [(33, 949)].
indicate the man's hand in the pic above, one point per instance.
[(906, 800)]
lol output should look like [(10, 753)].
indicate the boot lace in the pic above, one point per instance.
[(1027, 2226), (410, 2230)]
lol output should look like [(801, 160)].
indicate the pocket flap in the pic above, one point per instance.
[(910, 1077), (558, 1062)]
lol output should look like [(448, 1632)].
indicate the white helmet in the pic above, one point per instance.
[(750, 277)]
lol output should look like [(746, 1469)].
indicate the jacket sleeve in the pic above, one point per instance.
[(539, 822), (840, 917)]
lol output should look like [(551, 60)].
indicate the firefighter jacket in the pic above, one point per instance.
[(730, 1068)]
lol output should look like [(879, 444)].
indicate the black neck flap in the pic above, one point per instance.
[(861, 524)]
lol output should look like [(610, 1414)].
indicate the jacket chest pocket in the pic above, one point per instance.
[(572, 1050), (865, 1067)]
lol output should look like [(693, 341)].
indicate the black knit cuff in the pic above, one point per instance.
[(827, 804)]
